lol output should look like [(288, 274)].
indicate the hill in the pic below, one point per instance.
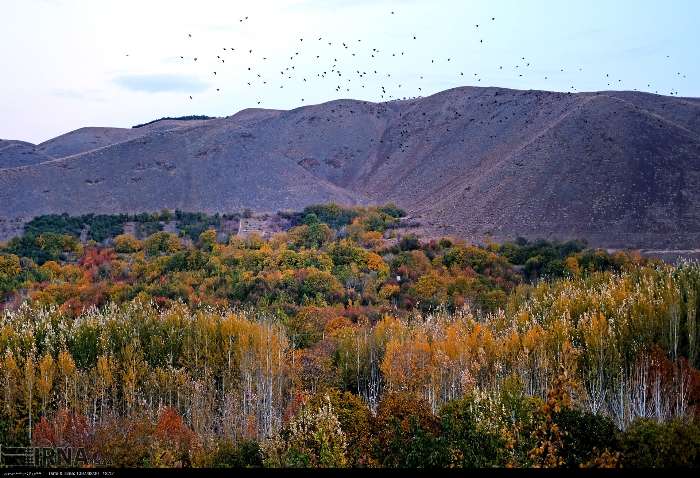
[(19, 153), (620, 169)]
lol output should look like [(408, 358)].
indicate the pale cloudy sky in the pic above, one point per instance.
[(65, 63)]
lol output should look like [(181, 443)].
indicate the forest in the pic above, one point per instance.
[(342, 342)]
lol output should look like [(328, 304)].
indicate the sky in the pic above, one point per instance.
[(67, 64)]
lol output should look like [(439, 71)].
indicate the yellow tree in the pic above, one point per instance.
[(67, 371), (11, 376), (29, 385), (45, 382), (105, 379)]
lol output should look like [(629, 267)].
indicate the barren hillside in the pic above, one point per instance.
[(621, 169)]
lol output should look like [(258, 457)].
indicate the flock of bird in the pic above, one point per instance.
[(330, 60)]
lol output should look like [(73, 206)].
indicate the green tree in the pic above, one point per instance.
[(355, 420), (245, 453), (464, 441), (161, 243), (313, 439), (405, 433), (650, 444), (127, 244), (207, 240), (311, 236), (10, 271), (584, 435)]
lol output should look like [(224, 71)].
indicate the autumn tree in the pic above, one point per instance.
[(161, 243), (10, 271), (127, 244), (405, 432), (314, 438)]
